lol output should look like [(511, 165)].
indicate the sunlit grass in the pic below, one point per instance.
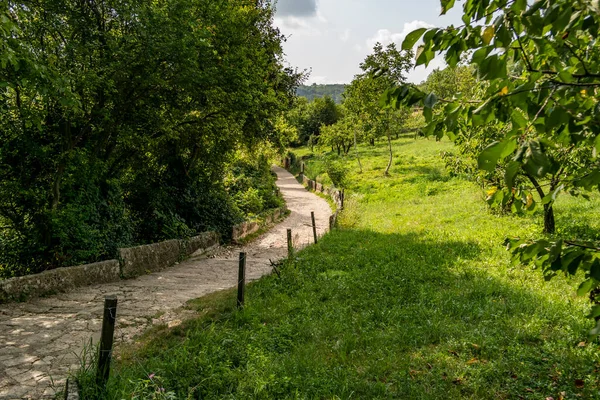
[(414, 297)]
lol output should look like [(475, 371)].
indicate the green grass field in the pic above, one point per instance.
[(414, 297)]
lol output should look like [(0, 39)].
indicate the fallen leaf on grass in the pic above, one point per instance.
[(582, 344), (472, 361), (457, 381), (579, 383)]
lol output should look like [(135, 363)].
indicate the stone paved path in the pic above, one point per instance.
[(40, 340)]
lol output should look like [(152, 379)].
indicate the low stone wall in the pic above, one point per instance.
[(336, 195), (140, 260), (245, 229), (134, 261), (202, 242), (58, 280)]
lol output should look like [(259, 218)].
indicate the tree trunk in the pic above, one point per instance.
[(372, 142), (56, 186), (387, 170), (549, 222), (356, 151), (347, 149)]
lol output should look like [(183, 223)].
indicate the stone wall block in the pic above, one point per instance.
[(244, 229), (58, 280), (140, 260), (199, 243)]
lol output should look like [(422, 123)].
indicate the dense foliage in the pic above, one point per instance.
[(309, 117), (540, 62), (118, 120)]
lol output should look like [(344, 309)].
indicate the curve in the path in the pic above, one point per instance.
[(40, 340)]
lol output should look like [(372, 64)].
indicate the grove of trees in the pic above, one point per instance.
[(361, 117), (315, 91), (120, 120)]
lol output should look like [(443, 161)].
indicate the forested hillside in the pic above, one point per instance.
[(318, 91), (120, 122)]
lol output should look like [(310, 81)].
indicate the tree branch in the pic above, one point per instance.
[(584, 246)]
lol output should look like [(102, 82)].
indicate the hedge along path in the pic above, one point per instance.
[(40, 340)]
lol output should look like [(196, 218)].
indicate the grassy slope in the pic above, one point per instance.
[(414, 298)]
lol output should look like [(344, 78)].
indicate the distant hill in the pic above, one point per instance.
[(315, 91)]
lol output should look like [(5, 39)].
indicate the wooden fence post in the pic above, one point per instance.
[(314, 226), (241, 281), (106, 340), (289, 243)]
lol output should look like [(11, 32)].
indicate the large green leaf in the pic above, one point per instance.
[(536, 161), (430, 101), (586, 287), (489, 157), (446, 6), (412, 38), (512, 169), (494, 152)]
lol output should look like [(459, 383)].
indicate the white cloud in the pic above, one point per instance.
[(297, 26), (345, 36), (321, 18), (385, 36)]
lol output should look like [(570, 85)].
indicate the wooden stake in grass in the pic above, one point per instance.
[(241, 281), (289, 243), (314, 225), (106, 340), (331, 222)]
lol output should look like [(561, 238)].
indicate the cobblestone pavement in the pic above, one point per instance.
[(41, 340)]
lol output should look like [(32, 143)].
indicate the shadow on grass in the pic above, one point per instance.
[(370, 315)]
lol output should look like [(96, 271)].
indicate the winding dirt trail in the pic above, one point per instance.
[(40, 340)]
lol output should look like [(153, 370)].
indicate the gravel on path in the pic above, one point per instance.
[(41, 340)]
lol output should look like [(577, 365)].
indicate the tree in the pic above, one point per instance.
[(382, 68), (118, 119), (339, 136), (458, 81), (310, 117), (545, 105)]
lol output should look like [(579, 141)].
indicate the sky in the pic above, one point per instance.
[(330, 38)]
